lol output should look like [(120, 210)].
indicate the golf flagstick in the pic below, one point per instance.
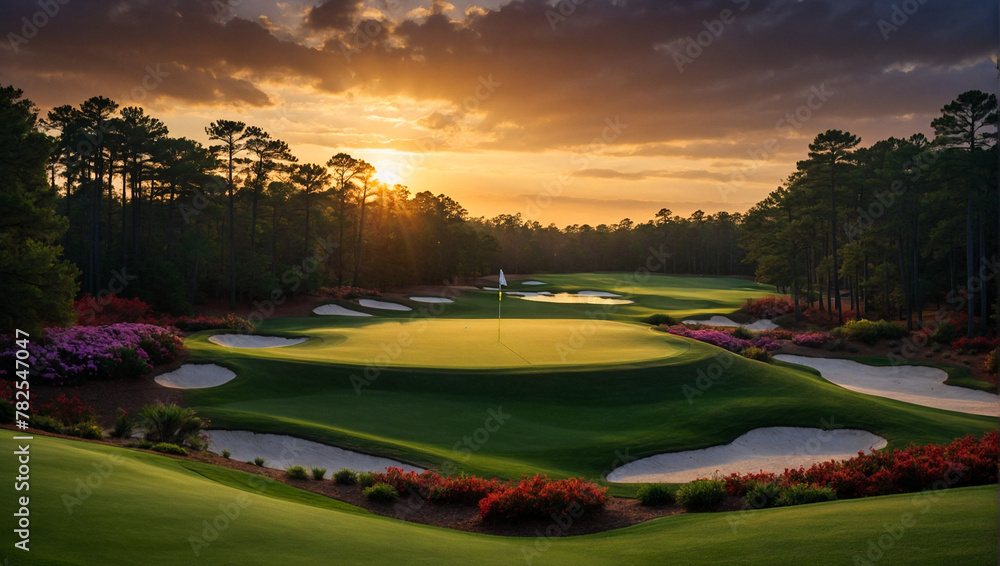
[(502, 282)]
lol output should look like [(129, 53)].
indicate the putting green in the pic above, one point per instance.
[(454, 344)]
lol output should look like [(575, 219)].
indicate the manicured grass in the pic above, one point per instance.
[(150, 509), (565, 423), (452, 343)]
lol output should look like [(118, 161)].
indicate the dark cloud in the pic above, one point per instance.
[(679, 74), (333, 14)]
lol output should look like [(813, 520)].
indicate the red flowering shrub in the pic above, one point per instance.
[(977, 344), (467, 490), (6, 390), (541, 497), (769, 307), (964, 462), (68, 410), (111, 309)]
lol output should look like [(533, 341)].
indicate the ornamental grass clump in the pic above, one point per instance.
[(173, 424)]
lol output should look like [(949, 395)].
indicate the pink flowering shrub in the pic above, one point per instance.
[(719, 338), (72, 355)]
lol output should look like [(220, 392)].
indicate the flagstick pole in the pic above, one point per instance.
[(499, 304)]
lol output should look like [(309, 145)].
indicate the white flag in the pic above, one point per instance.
[(503, 280)]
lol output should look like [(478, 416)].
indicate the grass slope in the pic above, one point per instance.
[(581, 422), (149, 509)]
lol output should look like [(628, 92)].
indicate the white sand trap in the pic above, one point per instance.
[(605, 294), (491, 288), (282, 452), (568, 298), (384, 305), (195, 376), (770, 449), (337, 310), (533, 283), (253, 341), (443, 300), (920, 385), (762, 324)]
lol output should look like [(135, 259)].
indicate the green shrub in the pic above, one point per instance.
[(742, 333), (871, 331), (936, 348), (758, 354), (171, 423), (761, 495), (297, 473), (654, 494), (381, 493), (143, 444), (226, 453), (7, 412), (259, 462), (46, 423), (701, 495), (853, 349), (169, 448), (131, 365), (660, 319), (345, 477), (366, 479), (318, 473), (990, 363), (801, 494), (124, 424), (87, 430), (944, 333)]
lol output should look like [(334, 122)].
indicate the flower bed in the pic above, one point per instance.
[(537, 496), (769, 307), (71, 355), (966, 461), (811, 339), (541, 497), (978, 344), (723, 339)]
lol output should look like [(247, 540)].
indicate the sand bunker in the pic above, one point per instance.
[(920, 385), (567, 298), (443, 300), (195, 376), (373, 304), (337, 310), (281, 452), (533, 283), (770, 449), (605, 294), (762, 324), (253, 341)]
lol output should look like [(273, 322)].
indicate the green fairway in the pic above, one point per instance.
[(579, 422), (452, 343), (580, 395), (92, 504), (678, 296)]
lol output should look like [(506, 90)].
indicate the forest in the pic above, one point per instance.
[(99, 199)]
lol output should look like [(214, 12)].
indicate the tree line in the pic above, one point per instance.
[(110, 201), (891, 228)]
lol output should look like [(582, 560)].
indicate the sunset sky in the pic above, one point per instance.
[(579, 111)]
